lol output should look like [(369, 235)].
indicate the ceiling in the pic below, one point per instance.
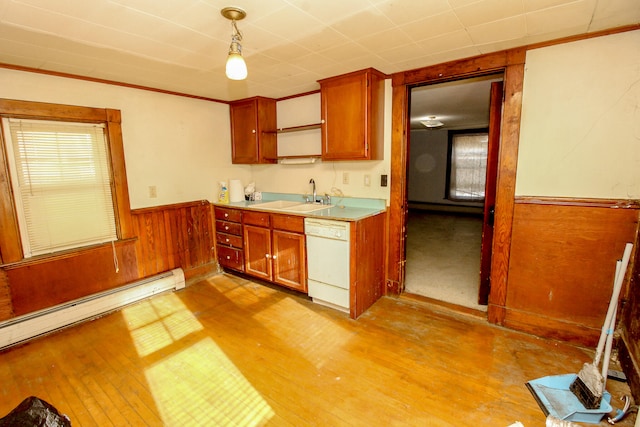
[(181, 45), (461, 104)]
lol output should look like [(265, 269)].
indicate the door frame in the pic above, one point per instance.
[(496, 98), (511, 64)]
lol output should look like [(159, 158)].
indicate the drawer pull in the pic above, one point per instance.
[(226, 215), (226, 227), (228, 257), (227, 240)]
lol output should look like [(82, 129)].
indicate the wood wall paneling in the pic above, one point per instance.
[(43, 283), (6, 306), (175, 236), (562, 266), (629, 349)]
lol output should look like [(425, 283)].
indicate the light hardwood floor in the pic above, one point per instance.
[(229, 352)]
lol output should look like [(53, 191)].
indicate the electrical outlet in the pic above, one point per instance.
[(367, 180), (153, 192), (345, 177), (383, 180)]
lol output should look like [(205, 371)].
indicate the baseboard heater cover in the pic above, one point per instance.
[(40, 322)]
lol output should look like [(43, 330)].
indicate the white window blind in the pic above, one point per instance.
[(61, 178), (468, 167)]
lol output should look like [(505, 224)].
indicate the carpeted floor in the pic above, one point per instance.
[(443, 257)]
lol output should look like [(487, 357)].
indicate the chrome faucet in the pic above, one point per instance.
[(313, 185)]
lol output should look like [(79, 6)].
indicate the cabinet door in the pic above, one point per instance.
[(253, 131), (289, 260), (257, 251), (344, 107), (244, 132)]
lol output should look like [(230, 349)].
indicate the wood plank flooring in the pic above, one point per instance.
[(229, 352)]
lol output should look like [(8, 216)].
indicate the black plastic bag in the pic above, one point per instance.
[(34, 412)]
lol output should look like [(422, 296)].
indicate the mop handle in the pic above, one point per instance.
[(613, 304), (608, 346)]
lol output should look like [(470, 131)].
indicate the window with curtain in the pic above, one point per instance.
[(468, 167), (61, 179)]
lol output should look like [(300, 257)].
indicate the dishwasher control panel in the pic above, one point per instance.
[(329, 229)]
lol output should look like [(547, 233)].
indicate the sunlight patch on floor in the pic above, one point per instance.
[(200, 386), (157, 323), (195, 385), (316, 344)]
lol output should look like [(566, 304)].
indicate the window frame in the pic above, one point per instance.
[(10, 239)]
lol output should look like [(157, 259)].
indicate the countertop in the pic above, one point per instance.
[(344, 208)]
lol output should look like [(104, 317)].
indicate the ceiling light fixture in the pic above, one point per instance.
[(236, 67), (432, 123)]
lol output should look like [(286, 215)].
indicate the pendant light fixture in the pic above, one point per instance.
[(236, 67)]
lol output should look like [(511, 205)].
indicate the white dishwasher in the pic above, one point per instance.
[(328, 262)]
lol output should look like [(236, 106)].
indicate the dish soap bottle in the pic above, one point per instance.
[(223, 195)]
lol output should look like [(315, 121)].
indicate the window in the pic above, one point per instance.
[(108, 128), (468, 166), (61, 181)]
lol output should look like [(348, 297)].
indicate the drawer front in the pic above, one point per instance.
[(226, 214), (231, 258), (292, 223), (261, 219), (229, 227), (229, 240)]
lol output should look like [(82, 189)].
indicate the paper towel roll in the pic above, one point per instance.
[(236, 191)]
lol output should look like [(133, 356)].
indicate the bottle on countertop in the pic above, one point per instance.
[(223, 194)]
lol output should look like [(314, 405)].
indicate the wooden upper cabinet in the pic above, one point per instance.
[(253, 126), (353, 116)]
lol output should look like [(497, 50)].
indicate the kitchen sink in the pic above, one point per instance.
[(276, 204), (290, 206), (307, 207)]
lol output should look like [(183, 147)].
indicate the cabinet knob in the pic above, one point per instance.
[(275, 256), (226, 227), (226, 215), (227, 240), (228, 257), (267, 256), (253, 131)]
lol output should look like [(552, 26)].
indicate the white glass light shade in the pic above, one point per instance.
[(236, 67)]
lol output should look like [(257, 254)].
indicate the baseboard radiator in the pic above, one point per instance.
[(34, 324)]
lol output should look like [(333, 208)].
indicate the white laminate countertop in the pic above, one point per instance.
[(344, 208)]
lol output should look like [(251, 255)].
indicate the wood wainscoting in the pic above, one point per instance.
[(175, 236), (562, 265), (47, 281), (168, 237), (629, 343)]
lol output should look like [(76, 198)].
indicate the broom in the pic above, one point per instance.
[(589, 384)]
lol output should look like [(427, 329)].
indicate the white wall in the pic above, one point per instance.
[(580, 130), (428, 166), (180, 145)]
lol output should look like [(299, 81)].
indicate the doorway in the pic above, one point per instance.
[(448, 221)]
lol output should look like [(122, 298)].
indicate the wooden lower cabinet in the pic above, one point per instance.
[(274, 249)]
